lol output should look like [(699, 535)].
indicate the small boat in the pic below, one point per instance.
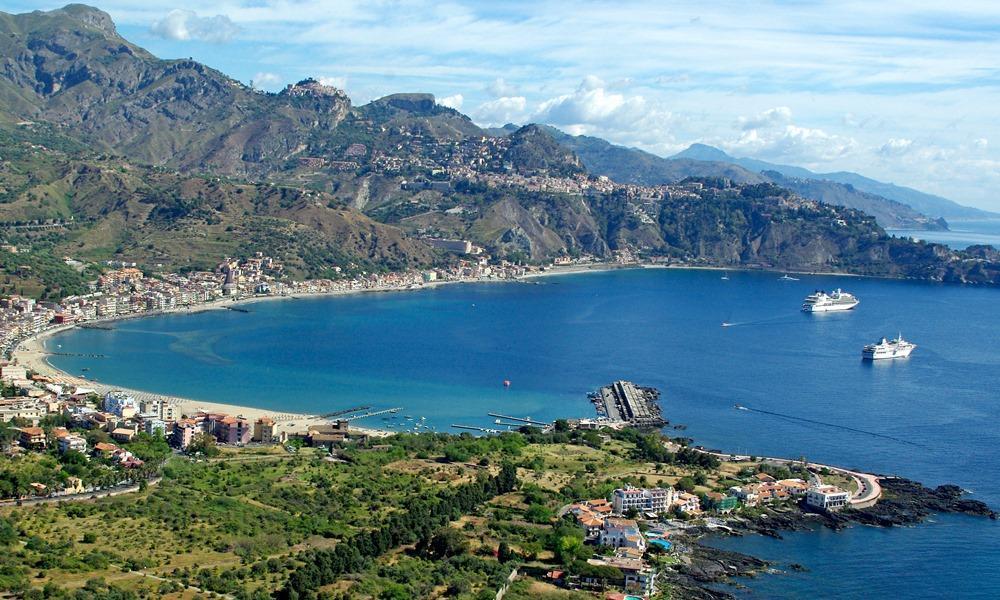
[(725, 324), (506, 383), (740, 407), (725, 276), (786, 277)]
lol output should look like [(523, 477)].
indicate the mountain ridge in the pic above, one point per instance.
[(928, 204), (174, 163)]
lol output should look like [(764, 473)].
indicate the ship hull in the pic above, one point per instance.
[(886, 354), (828, 307)]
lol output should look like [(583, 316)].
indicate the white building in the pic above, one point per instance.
[(119, 403), (72, 442), (621, 533), (655, 500), (827, 497), (153, 426)]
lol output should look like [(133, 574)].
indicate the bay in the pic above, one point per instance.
[(443, 354)]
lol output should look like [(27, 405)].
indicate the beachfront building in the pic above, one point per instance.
[(233, 430), (621, 533), (264, 431), (184, 432), (121, 404), (153, 426), (654, 500), (745, 494), (827, 497)]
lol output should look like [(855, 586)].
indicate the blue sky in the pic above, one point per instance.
[(906, 92)]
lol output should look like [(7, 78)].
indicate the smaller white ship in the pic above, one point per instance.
[(897, 348), (787, 277), (823, 302)]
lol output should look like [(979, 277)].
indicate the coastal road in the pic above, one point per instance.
[(106, 493), (869, 490)]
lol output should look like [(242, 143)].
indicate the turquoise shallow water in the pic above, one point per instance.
[(443, 354)]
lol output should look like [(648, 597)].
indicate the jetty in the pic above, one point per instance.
[(474, 428), (527, 420), (376, 413), (626, 402), (345, 411)]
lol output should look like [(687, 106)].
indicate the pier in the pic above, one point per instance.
[(625, 402), (76, 354), (345, 411), (372, 414), (474, 428), (520, 420)]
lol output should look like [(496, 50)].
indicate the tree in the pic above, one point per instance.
[(504, 553), (686, 483), (561, 425), (205, 444), (444, 543)]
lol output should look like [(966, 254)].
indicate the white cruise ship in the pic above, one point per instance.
[(897, 348), (823, 302)]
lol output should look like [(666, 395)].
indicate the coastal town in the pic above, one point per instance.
[(629, 533)]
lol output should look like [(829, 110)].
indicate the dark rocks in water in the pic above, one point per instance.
[(798, 568), (709, 566), (906, 502)]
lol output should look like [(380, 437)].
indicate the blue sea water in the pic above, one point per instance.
[(444, 353)]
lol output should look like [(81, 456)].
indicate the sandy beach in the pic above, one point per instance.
[(32, 354)]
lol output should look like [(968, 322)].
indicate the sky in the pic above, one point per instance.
[(902, 91)]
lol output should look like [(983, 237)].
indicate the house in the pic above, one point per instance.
[(72, 442), (795, 487), (827, 497), (721, 502), (33, 438), (121, 434), (327, 435), (153, 426), (104, 449), (687, 503), (73, 485), (621, 533), (765, 478), (746, 495), (638, 577)]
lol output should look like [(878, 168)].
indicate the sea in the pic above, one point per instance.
[(442, 355), (961, 233)]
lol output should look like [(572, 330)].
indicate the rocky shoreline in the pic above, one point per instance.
[(705, 570)]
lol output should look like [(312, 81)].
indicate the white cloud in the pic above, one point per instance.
[(499, 88), (454, 101), (337, 82), (267, 81), (981, 143), (509, 109), (186, 25), (780, 115), (792, 144), (895, 147), (592, 104)]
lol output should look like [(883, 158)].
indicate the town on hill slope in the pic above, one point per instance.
[(113, 153)]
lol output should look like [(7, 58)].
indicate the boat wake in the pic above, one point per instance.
[(831, 425)]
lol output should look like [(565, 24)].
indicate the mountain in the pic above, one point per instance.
[(110, 152), (631, 165), (927, 204)]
